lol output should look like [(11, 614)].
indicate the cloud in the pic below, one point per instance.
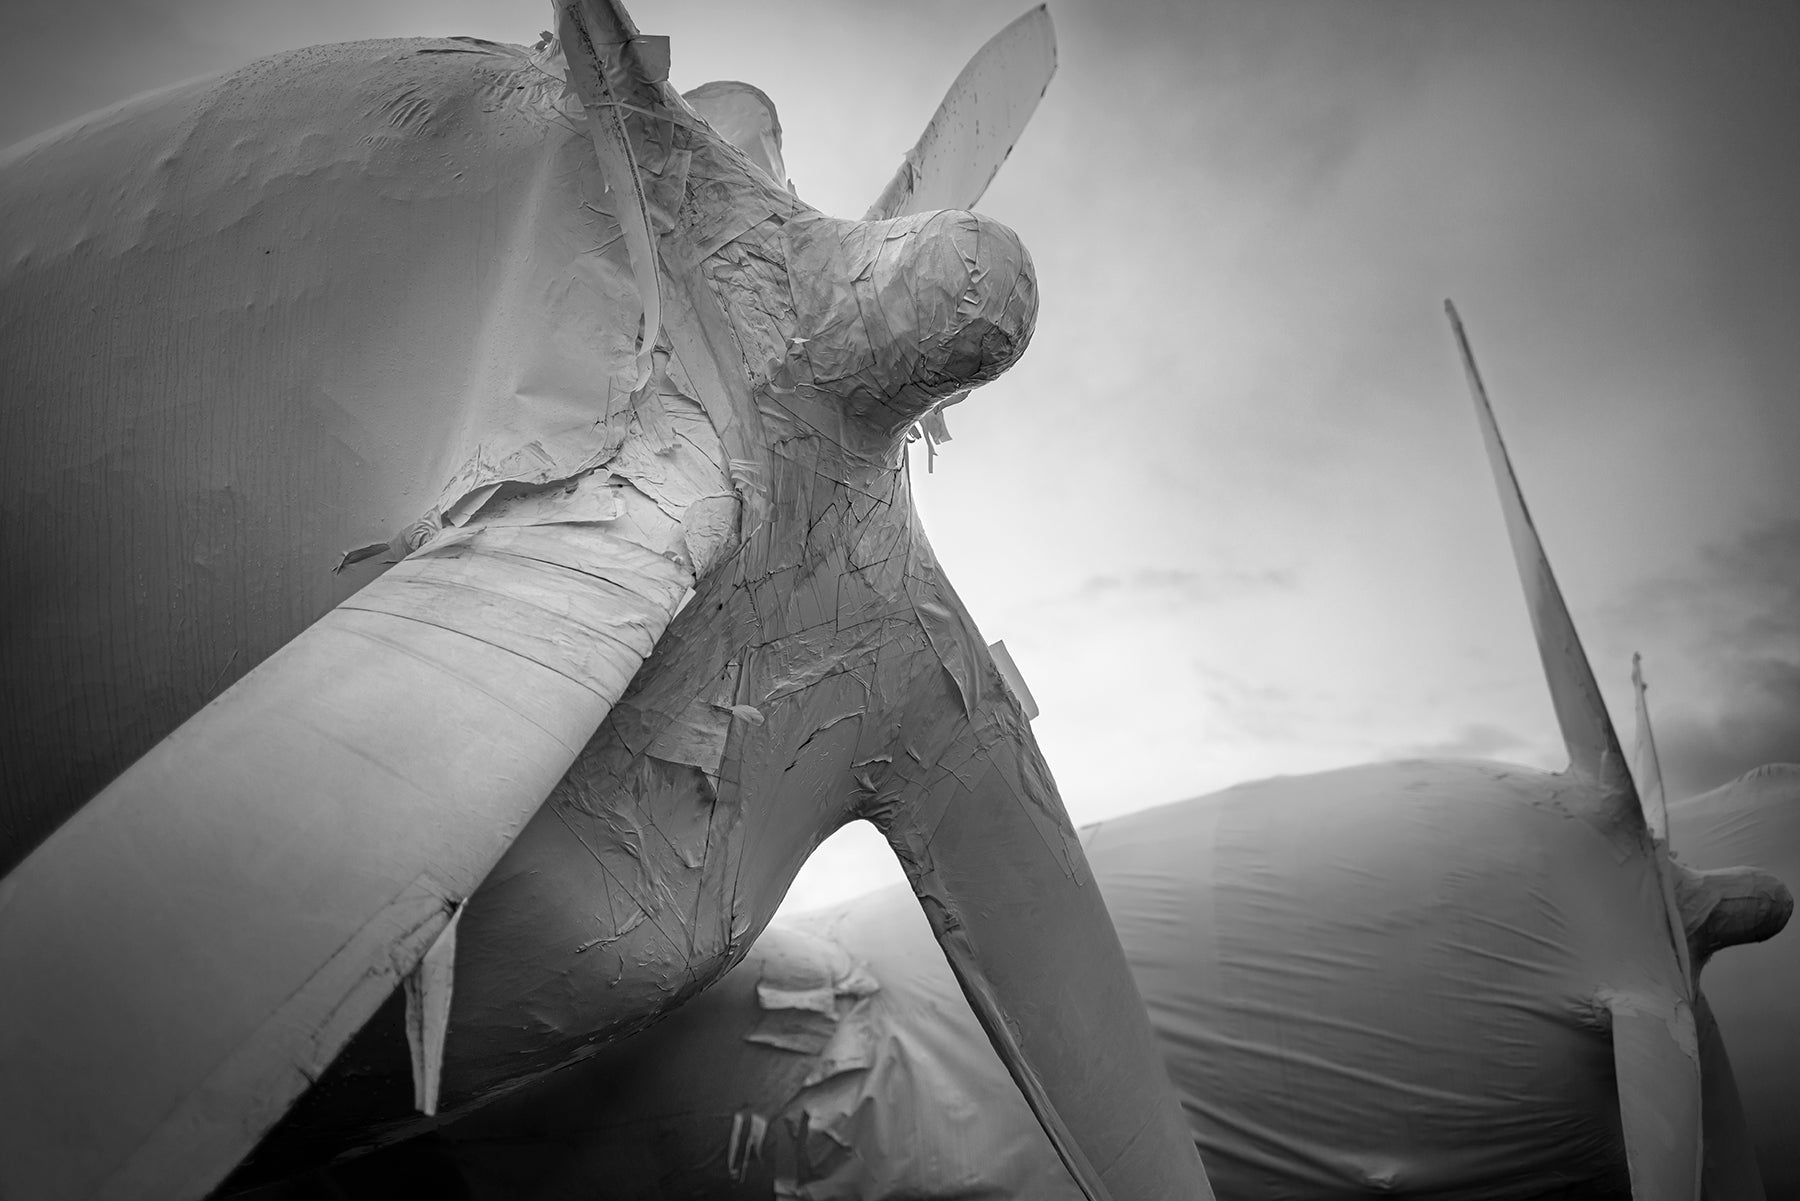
[(1763, 727), (1187, 587), (1475, 741), (1734, 696)]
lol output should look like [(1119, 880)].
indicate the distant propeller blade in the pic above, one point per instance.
[(1645, 764), (1730, 1172), (974, 129), (1656, 1058), (1586, 729), (1655, 1050), (1654, 802)]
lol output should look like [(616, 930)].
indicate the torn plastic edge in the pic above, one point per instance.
[(748, 1130), (360, 554), (1015, 680), (408, 540), (935, 430), (428, 987), (191, 1150), (822, 999)]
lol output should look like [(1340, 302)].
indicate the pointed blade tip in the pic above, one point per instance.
[(1595, 753)]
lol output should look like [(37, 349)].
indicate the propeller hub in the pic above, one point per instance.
[(1729, 907), (910, 311), (974, 295)]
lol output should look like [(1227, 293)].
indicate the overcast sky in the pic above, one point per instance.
[(1230, 512)]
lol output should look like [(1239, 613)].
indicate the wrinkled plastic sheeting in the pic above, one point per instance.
[(804, 661), (440, 294), (842, 1137), (880, 1093), (744, 116), (446, 355), (1393, 978), (1364, 981), (329, 418), (805, 990), (1383, 979), (855, 290)]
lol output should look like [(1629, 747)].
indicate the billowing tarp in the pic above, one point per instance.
[(207, 412), (1382, 980)]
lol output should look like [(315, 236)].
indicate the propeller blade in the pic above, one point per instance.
[(1594, 755), (1003, 879), (187, 953), (191, 949), (1656, 1059), (1654, 1040), (1587, 731), (1647, 768), (1730, 1172), (975, 127), (611, 67), (1648, 771)]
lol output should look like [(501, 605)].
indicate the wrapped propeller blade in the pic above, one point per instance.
[(974, 129), (1594, 752), (1655, 807), (1646, 766), (1655, 1044), (1719, 908), (612, 67), (1656, 1059), (1730, 1172)]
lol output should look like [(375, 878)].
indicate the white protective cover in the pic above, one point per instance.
[(316, 367), (1393, 979)]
